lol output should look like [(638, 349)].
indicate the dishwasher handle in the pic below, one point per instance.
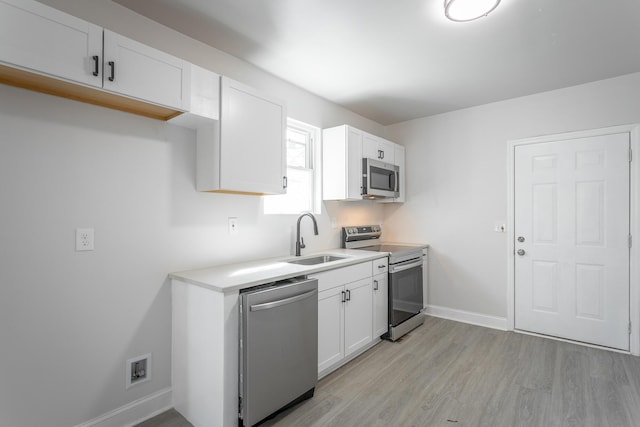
[(278, 303)]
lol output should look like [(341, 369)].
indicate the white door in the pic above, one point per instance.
[(571, 228), (40, 38), (253, 153), (330, 327), (380, 305), (358, 315), (137, 70)]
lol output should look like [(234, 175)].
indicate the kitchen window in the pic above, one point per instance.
[(303, 191)]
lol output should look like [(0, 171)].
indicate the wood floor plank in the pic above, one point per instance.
[(452, 374)]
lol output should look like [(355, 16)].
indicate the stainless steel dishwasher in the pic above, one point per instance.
[(278, 347)]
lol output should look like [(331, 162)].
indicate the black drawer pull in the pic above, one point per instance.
[(96, 65), (113, 71)]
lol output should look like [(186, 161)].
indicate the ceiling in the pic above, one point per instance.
[(395, 60)]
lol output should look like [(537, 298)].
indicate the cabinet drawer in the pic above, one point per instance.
[(340, 276), (380, 266)]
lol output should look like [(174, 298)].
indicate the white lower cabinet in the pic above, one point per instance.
[(380, 304), (344, 321), (351, 313), (358, 312), (330, 327)]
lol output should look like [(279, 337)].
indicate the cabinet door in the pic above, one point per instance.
[(252, 140), (354, 164), (377, 148), (387, 151), (139, 71), (358, 322), (380, 305), (39, 38), (370, 147), (330, 327)]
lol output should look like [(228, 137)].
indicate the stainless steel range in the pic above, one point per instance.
[(405, 276)]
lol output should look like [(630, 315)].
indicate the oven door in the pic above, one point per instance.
[(379, 179), (405, 285)]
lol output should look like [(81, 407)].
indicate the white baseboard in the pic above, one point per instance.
[(134, 412), (467, 317)]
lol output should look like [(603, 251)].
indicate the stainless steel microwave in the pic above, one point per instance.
[(379, 179)]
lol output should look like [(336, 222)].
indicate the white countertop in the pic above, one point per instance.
[(232, 277)]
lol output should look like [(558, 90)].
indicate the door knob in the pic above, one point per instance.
[(520, 252), (520, 239)]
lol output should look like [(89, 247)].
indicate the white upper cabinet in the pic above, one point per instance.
[(42, 39), (374, 147), (134, 69), (342, 163), (49, 51), (245, 151), (343, 148), (204, 102)]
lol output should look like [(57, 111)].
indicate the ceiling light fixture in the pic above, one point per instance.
[(468, 10)]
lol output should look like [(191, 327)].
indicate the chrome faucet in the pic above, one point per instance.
[(300, 240)]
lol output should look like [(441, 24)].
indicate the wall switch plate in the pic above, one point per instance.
[(138, 370), (84, 239), (233, 225)]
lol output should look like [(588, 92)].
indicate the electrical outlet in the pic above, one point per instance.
[(138, 370), (233, 225), (84, 239), (499, 227)]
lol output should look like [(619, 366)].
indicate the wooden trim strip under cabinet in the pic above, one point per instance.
[(40, 83)]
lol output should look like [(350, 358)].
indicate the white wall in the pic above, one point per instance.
[(456, 182), (69, 320)]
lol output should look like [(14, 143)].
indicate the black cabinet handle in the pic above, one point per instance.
[(344, 296), (96, 65), (284, 182), (348, 295), (375, 285), (113, 70)]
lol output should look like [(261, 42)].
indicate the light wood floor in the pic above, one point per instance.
[(453, 374)]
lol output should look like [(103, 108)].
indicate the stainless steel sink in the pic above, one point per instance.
[(320, 259)]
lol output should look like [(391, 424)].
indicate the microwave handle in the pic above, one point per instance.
[(397, 181)]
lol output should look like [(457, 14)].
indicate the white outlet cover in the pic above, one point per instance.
[(84, 239), (233, 225)]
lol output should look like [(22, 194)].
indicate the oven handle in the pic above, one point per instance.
[(403, 267)]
